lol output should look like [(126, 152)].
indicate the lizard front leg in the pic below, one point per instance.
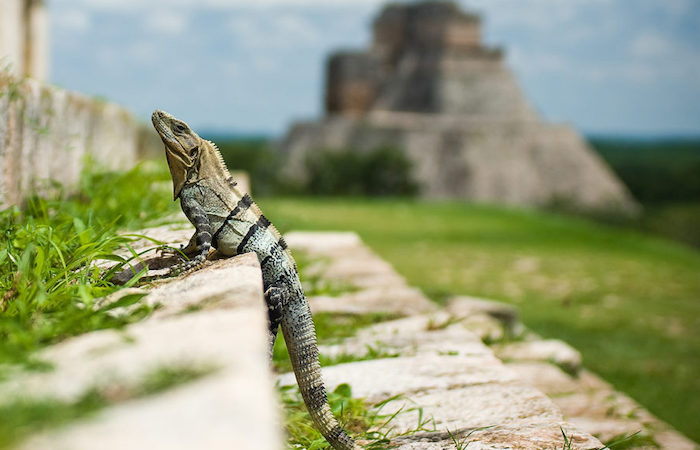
[(200, 243)]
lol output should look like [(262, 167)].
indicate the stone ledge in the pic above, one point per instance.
[(443, 372), (214, 317), (343, 257)]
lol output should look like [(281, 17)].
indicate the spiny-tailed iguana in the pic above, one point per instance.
[(228, 220)]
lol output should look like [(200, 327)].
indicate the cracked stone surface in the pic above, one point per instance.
[(214, 317), (532, 436), (552, 350), (429, 333), (346, 259), (444, 373)]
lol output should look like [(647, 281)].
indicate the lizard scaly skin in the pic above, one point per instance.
[(226, 219)]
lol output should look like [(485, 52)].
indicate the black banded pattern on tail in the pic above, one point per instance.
[(300, 336)]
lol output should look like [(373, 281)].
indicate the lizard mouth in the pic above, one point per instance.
[(161, 124), (158, 118)]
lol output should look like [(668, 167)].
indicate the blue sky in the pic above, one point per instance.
[(607, 66)]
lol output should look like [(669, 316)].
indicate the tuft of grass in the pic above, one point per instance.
[(434, 324), (316, 285), (25, 416), (49, 246), (364, 422), (634, 440), (568, 445), (463, 443)]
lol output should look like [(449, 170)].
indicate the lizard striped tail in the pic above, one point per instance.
[(300, 336)]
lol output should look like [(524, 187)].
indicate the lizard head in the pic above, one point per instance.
[(182, 147)]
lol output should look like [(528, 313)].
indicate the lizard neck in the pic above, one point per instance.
[(211, 165)]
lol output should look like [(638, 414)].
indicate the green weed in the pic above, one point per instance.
[(314, 283), (366, 423), (48, 274), (634, 440)]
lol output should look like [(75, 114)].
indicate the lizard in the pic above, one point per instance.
[(226, 219)]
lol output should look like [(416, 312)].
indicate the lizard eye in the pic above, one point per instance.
[(180, 128)]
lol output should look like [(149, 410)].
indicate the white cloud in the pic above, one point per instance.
[(297, 27), (142, 52), (264, 64), (73, 19), (273, 31), (166, 23), (534, 64), (678, 8), (132, 5), (651, 44)]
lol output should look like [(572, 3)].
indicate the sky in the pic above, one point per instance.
[(627, 67)]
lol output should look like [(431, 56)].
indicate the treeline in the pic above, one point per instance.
[(664, 176), (384, 171), (655, 171)]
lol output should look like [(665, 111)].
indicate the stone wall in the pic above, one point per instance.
[(46, 133), (24, 38)]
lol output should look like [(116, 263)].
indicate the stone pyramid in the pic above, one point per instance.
[(429, 86)]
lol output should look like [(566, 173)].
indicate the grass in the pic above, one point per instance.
[(48, 278), (364, 422), (332, 328), (25, 416), (316, 285), (628, 301)]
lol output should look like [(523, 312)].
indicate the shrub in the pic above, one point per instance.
[(385, 171), (256, 157)]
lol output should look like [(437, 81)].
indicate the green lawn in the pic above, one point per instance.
[(629, 302)]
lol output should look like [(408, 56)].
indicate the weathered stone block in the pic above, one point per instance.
[(550, 350), (216, 318), (46, 134)]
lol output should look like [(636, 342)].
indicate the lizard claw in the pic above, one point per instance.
[(166, 251)]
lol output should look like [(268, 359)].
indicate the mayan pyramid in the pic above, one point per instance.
[(429, 86)]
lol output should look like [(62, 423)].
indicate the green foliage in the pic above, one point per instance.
[(366, 423), (679, 221), (24, 416), (314, 284), (351, 412), (626, 300), (462, 442), (258, 159), (384, 171), (634, 440), (664, 175), (48, 276), (665, 170)]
